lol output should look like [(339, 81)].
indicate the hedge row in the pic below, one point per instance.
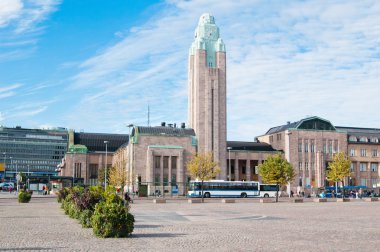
[(104, 211)]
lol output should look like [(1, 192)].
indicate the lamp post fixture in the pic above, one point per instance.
[(11, 158), (28, 177), (105, 169), (72, 157), (130, 170), (4, 153), (229, 163), (17, 177)]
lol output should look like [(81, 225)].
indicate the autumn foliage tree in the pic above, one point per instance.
[(203, 167), (339, 168), (118, 175), (276, 170)]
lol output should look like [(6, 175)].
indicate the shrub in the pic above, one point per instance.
[(88, 199), (73, 211), (24, 196), (112, 220), (85, 218), (62, 194)]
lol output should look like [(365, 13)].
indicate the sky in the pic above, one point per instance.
[(96, 65)]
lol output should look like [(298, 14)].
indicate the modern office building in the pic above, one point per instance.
[(35, 151)]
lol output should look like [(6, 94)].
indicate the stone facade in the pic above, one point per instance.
[(85, 165), (207, 90), (157, 157), (310, 144)]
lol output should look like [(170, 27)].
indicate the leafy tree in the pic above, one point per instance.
[(101, 174), (118, 175), (339, 168), (202, 167), (276, 170)]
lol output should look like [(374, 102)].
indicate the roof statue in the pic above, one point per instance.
[(206, 37)]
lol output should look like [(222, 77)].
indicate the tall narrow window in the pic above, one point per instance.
[(374, 167), (174, 171), (299, 146), (363, 167), (374, 153), (352, 167), (157, 170), (363, 152), (330, 147), (306, 146), (352, 152)]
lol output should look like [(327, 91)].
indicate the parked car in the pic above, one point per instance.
[(6, 186)]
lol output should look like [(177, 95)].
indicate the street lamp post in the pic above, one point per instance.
[(5, 166), (11, 158), (17, 177), (229, 163), (105, 169), (72, 156), (28, 177), (130, 170)]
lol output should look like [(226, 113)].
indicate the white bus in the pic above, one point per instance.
[(268, 190), (219, 188)]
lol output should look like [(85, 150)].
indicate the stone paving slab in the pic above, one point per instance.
[(213, 226)]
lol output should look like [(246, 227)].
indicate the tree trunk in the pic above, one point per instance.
[(278, 187), (202, 191), (342, 189)]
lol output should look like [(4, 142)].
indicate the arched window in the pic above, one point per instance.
[(363, 139), (374, 140), (353, 139)]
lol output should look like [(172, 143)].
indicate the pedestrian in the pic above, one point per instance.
[(46, 190), (357, 195), (127, 199), (291, 194)]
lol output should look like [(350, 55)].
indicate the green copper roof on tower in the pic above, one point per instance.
[(207, 38)]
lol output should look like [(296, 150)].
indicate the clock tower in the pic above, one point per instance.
[(207, 90)]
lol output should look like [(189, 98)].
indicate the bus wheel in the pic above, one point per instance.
[(207, 195), (243, 195), (266, 195)]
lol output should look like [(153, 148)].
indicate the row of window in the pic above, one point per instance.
[(307, 166), (329, 146), (29, 146), (31, 168), (363, 153), (18, 162), (363, 167), (363, 139), (157, 162), (371, 182), (278, 137)]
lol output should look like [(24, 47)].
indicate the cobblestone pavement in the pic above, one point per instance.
[(213, 226)]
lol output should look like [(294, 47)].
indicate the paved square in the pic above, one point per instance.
[(213, 226)]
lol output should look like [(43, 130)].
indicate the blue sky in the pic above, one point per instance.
[(95, 65)]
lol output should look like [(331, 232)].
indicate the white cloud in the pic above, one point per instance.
[(25, 15), (285, 60), (8, 91), (9, 10), (37, 11)]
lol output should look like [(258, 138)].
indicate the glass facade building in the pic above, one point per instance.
[(34, 150)]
